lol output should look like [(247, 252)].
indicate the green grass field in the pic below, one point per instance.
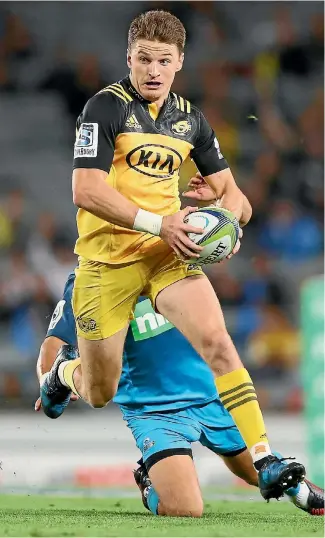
[(54, 516)]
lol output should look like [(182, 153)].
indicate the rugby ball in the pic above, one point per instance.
[(221, 230)]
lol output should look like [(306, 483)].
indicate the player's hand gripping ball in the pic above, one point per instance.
[(221, 233)]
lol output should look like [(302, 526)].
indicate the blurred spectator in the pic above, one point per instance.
[(227, 287), (264, 186), (262, 286), (50, 253), (275, 344), (14, 219), (16, 45), (289, 235), (273, 354), (297, 57), (65, 261), (225, 129), (75, 86), (20, 289)]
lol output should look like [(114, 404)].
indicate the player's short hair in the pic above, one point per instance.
[(157, 25)]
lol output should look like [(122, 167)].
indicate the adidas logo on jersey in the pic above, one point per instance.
[(132, 123)]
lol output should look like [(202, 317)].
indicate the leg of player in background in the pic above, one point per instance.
[(242, 466), (171, 488), (192, 306)]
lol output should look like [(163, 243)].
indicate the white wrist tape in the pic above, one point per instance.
[(147, 222)]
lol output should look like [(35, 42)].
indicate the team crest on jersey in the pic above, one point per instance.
[(147, 443), (86, 324), (132, 123), (182, 127)]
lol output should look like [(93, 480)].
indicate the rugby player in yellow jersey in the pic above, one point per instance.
[(132, 139)]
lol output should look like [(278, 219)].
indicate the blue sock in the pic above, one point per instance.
[(153, 500), (292, 492)]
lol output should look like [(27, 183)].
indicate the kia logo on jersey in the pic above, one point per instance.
[(155, 160)]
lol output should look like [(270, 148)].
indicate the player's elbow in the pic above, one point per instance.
[(81, 182), (86, 186)]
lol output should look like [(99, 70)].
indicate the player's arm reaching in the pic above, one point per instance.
[(61, 330), (216, 172), (98, 127)]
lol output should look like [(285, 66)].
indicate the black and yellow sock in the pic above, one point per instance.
[(237, 394)]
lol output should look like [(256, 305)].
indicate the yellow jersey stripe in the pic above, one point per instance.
[(188, 106), (115, 93), (182, 104), (122, 90)]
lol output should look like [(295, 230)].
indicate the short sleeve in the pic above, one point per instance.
[(206, 152), (97, 129), (62, 324)]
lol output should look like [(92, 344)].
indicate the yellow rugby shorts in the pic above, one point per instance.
[(105, 295)]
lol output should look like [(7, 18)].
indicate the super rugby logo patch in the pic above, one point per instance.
[(86, 141)]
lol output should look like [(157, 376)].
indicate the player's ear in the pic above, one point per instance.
[(180, 62), (128, 58)]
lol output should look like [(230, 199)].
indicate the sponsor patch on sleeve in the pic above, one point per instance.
[(87, 141)]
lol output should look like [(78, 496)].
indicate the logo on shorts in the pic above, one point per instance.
[(193, 267), (147, 443), (86, 324)]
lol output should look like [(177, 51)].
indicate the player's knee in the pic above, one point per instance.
[(184, 509), (100, 396), (217, 346)]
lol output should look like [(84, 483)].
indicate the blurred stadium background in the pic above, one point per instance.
[(256, 70)]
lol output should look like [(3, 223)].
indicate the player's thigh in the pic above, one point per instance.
[(176, 483), (104, 297), (191, 304), (101, 366), (242, 466)]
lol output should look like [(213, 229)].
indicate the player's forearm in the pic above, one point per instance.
[(47, 355), (225, 187), (247, 212), (92, 193)]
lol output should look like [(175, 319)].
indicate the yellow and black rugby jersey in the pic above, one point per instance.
[(142, 152)]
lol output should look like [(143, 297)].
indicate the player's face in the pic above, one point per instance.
[(153, 67)]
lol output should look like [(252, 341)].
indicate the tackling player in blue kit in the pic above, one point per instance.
[(168, 404)]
